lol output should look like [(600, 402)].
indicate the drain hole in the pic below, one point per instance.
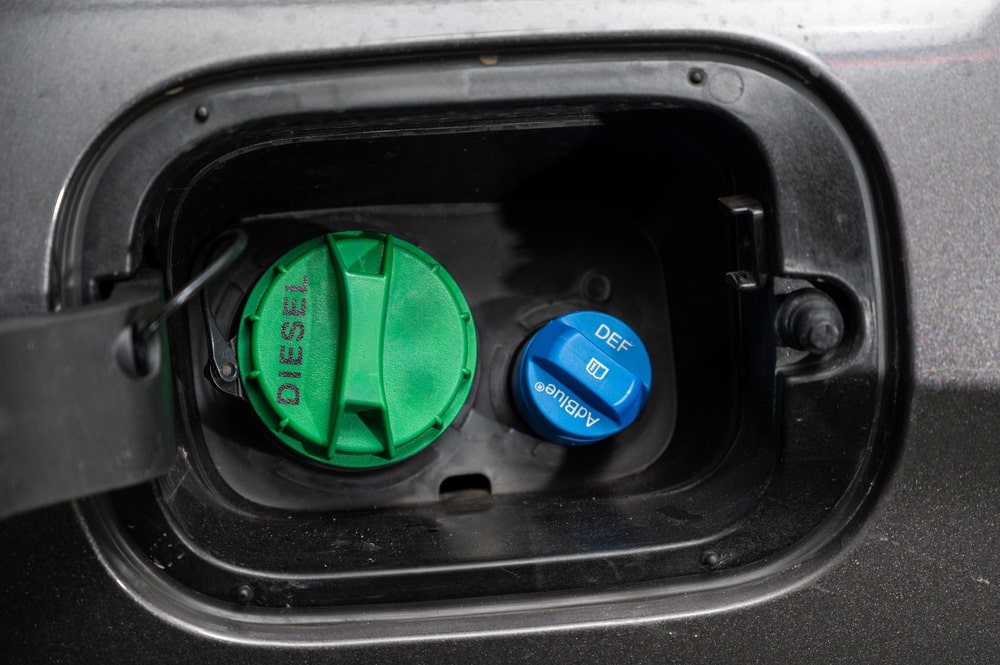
[(469, 486)]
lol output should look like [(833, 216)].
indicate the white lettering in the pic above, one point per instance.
[(571, 406), (613, 339)]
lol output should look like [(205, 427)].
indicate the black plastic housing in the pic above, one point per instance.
[(583, 169)]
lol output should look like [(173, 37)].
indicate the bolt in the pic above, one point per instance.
[(244, 593), (710, 558), (809, 320), (202, 113), (228, 370), (696, 76)]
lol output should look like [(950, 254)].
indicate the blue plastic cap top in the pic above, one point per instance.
[(583, 377)]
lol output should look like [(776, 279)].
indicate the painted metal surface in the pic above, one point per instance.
[(920, 586)]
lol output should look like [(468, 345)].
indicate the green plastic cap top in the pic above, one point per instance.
[(357, 349)]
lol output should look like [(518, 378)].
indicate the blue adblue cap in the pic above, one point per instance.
[(582, 378)]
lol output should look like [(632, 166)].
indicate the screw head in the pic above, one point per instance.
[(244, 593), (710, 558)]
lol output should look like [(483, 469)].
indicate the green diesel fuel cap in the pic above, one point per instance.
[(356, 349)]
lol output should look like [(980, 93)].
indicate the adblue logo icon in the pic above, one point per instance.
[(597, 369), (582, 378)]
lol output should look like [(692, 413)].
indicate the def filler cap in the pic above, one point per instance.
[(356, 349), (583, 377)]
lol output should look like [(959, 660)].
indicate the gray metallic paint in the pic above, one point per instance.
[(922, 585)]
